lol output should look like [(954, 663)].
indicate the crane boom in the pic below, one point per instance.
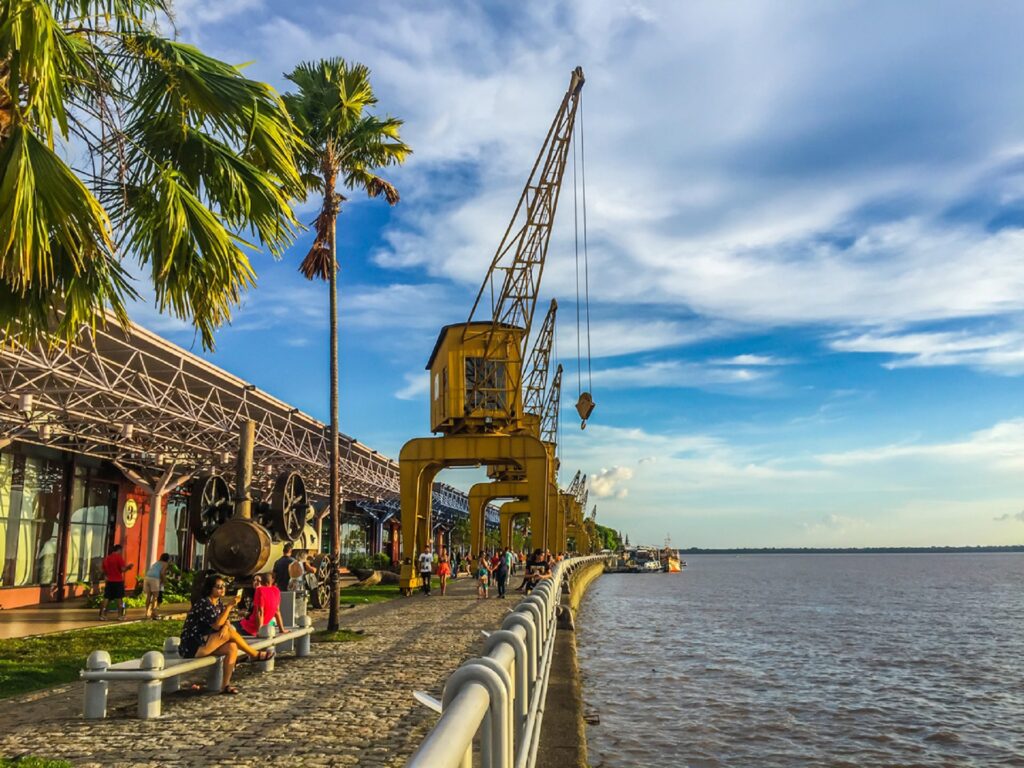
[(519, 259), (552, 407), (536, 380)]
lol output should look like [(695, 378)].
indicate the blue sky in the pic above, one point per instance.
[(805, 239)]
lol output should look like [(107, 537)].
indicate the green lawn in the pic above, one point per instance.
[(33, 762), (28, 664), (338, 636), (375, 594)]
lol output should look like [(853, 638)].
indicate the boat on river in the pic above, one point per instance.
[(669, 559)]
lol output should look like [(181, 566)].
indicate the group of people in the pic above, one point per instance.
[(115, 567), (495, 566), (208, 630)]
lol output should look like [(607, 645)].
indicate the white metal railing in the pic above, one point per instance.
[(500, 695)]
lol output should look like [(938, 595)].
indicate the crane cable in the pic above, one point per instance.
[(579, 194)]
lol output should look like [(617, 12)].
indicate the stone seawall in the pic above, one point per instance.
[(563, 742)]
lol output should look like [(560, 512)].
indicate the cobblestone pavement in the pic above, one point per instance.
[(348, 704)]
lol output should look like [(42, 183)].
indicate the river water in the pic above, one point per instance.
[(808, 660)]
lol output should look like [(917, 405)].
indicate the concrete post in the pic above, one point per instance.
[(302, 645), (95, 705), (155, 520), (289, 617), (171, 684), (267, 630), (215, 675), (149, 690)]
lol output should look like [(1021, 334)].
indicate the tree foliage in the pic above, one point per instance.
[(344, 144), (117, 143)]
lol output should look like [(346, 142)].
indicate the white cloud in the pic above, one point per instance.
[(613, 337), (417, 384), (674, 373), (999, 447), (399, 305), (1015, 516), (608, 483), (753, 360), (996, 352), (834, 523)]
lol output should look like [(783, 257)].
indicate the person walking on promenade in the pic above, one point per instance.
[(282, 567), (483, 575), (444, 569), (114, 569), (501, 572), (426, 567), (458, 564), (153, 584), (297, 571), (207, 631)]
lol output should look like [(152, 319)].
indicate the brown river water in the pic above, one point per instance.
[(808, 660)]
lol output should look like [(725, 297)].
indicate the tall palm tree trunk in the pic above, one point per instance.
[(335, 481)]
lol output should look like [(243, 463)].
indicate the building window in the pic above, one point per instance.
[(93, 513), (31, 500), (173, 518)]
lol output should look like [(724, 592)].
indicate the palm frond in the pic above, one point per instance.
[(199, 268)]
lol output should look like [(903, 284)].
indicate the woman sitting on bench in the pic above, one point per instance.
[(207, 631)]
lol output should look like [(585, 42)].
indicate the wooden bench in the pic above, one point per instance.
[(157, 673)]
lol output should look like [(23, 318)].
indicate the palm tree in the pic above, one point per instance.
[(343, 143), (116, 142)]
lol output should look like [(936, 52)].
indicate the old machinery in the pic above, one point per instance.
[(209, 506), (243, 535), (289, 506)]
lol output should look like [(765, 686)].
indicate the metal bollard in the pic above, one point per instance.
[(302, 645), (215, 675), (288, 609), (149, 690), (495, 743), (171, 684), (267, 630), (95, 705)]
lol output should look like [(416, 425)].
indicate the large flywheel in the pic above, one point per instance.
[(318, 597), (288, 505), (209, 506)]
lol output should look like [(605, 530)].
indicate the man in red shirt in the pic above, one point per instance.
[(114, 568)]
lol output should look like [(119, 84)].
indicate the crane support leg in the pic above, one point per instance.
[(423, 457), (480, 495)]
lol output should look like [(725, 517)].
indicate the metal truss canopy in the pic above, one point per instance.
[(143, 402)]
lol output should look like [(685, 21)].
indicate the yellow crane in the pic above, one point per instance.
[(476, 367), (509, 480), (509, 511), (577, 495)]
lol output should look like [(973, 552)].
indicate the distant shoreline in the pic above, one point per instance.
[(852, 550)]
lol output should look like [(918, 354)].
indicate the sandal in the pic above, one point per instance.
[(266, 655), (230, 690)]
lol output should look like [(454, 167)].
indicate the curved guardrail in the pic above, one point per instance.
[(501, 694)]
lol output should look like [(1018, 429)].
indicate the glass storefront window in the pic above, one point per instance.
[(7, 552), (93, 512), (31, 500), (176, 514)]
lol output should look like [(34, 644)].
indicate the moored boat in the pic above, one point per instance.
[(670, 562)]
